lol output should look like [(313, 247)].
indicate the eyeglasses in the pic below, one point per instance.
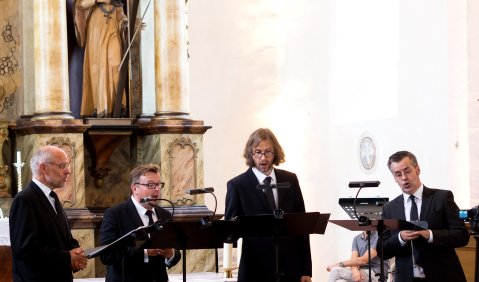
[(399, 174), (153, 185), (61, 166), (267, 154)]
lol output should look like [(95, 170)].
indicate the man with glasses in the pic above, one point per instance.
[(129, 263), (426, 254), (258, 262), (43, 247)]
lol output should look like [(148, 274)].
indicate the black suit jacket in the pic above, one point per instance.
[(127, 258), (40, 238), (438, 259), (257, 259)]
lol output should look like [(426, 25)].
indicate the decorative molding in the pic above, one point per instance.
[(182, 158)]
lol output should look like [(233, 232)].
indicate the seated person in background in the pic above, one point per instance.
[(356, 268)]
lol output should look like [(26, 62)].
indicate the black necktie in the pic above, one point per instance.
[(269, 193), (149, 213), (56, 202), (414, 214), (59, 209)]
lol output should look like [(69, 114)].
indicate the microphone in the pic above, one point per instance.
[(200, 191), (148, 199), (283, 185), (141, 231), (363, 184)]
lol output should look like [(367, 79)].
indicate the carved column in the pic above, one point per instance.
[(171, 65), (51, 60), (5, 179)]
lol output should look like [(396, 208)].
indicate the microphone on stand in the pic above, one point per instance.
[(149, 199), (200, 191), (283, 185), (205, 221)]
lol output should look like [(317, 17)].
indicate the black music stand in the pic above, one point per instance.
[(287, 224), (368, 207), (189, 235), (380, 225)]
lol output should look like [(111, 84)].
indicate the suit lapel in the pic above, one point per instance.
[(137, 222), (427, 198), (281, 178), (398, 208), (253, 183), (59, 219)]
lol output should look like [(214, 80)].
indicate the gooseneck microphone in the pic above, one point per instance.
[(149, 199), (200, 191), (205, 221), (283, 185)]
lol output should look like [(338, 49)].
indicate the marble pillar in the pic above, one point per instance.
[(51, 61), (171, 65)]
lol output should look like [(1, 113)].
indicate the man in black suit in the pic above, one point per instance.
[(261, 152), (427, 254), (43, 248), (127, 262)]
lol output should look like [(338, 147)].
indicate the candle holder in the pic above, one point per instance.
[(228, 271), (19, 164)]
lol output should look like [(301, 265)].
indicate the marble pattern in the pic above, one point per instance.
[(51, 60), (171, 63)]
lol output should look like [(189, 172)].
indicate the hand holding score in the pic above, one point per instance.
[(167, 253), (408, 235)]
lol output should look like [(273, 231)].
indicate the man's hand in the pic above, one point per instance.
[(78, 259), (356, 274), (306, 279), (167, 253), (408, 235)]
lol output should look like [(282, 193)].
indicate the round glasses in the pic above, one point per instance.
[(259, 155)]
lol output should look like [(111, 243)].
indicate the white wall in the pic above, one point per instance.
[(322, 74)]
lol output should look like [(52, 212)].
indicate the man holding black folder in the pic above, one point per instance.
[(422, 254)]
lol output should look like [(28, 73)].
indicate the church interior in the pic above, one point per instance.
[(342, 84)]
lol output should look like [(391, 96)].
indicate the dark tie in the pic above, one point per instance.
[(60, 213), (269, 193), (56, 202), (149, 213), (414, 214)]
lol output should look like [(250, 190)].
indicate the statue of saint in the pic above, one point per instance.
[(101, 28)]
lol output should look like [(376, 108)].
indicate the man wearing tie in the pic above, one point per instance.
[(43, 248), (427, 254), (261, 152), (127, 262)]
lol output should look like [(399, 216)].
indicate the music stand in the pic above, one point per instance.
[(188, 235), (380, 225), (287, 224), (369, 207)]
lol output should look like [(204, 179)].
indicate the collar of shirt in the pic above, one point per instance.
[(141, 212), (261, 176), (407, 202), (46, 190), (417, 194)]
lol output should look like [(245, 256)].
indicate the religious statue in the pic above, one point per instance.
[(101, 27)]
